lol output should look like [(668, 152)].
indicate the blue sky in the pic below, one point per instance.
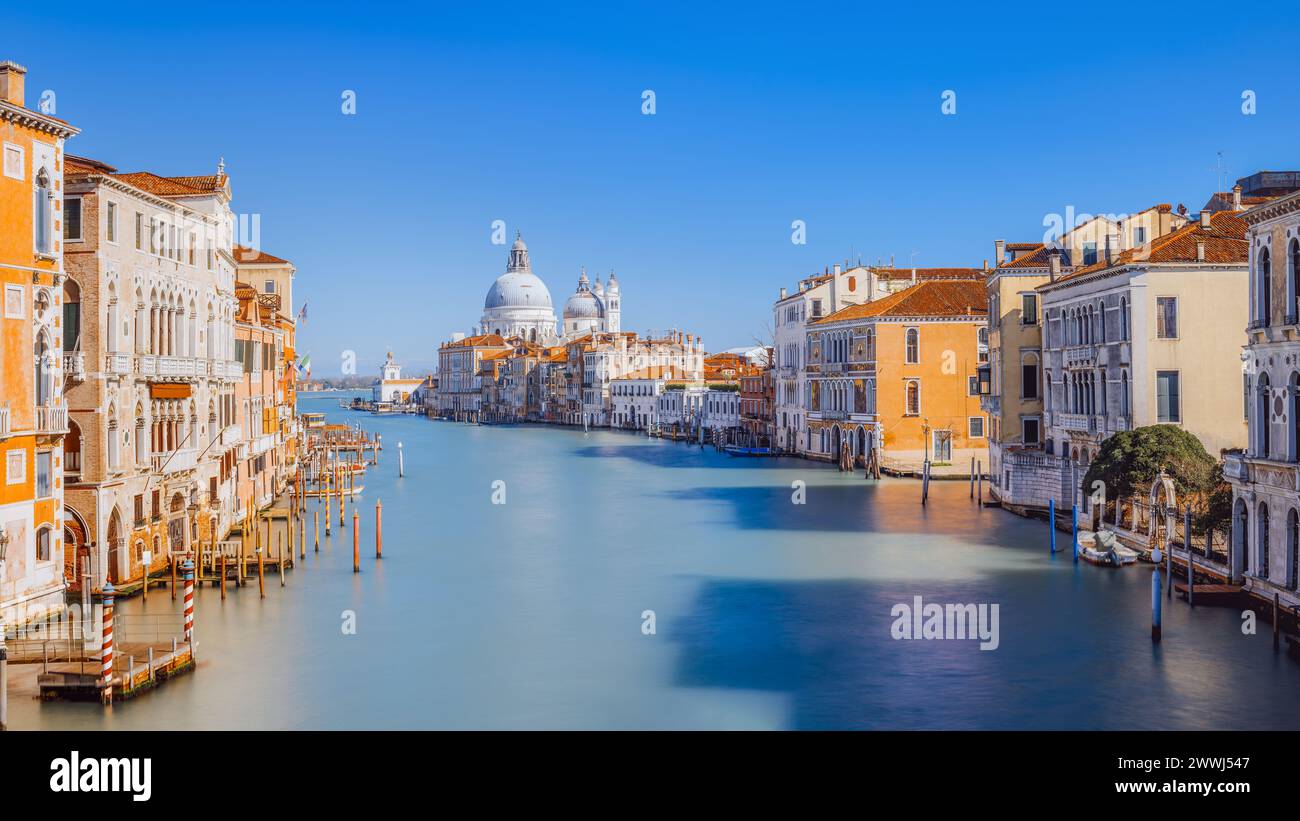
[(765, 115)]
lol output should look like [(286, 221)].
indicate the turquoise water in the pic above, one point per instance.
[(768, 614)]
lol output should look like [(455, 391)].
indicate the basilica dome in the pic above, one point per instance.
[(517, 289)]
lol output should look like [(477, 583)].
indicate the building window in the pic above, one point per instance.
[(14, 162), (912, 393), (1090, 253), (139, 231), (972, 386), (1029, 378), (943, 446), (1264, 287), (110, 221), (1139, 236), (1166, 317), (1123, 318), (1261, 533), (42, 229), (1167, 400), (976, 424), (14, 302), (15, 467), (270, 286), (43, 545), (913, 344), (44, 475), (1029, 309), (72, 219), (1029, 430)]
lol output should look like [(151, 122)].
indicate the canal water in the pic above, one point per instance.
[(767, 613)]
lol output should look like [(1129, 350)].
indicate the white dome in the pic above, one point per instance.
[(517, 289), (583, 305)]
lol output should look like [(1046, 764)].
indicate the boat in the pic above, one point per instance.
[(1104, 550), (737, 450)]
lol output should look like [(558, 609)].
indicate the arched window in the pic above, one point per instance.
[(1123, 318), (44, 544), (913, 346), (42, 222), (1262, 289), (1293, 417), (44, 381), (1029, 376), (913, 397), (1123, 393), (1293, 282), (1262, 420), (1292, 548), (1261, 531), (1240, 533), (1101, 322)]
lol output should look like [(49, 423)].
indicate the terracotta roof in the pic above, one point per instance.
[(173, 186), (1037, 258), (73, 165), (494, 340), (930, 273), (1225, 244), (255, 256), (1023, 246), (940, 297), (245, 291)]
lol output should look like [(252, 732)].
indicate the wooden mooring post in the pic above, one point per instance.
[(356, 543), (379, 529)]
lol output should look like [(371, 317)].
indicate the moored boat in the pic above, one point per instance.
[(1104, 549)]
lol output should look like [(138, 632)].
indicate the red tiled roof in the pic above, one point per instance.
[(173, 186), (930, 273), (482, 340), (936, 297), (1225, 244), (256, 256), (73, 165)]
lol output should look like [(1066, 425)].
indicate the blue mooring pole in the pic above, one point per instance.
[(1074, 530), (1051, 523), (1155, 605)]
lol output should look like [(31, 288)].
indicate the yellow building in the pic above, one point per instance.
[(33, 418), (899, 374)]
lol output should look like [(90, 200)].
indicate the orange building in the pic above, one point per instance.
[(33, 418), (259, 350), (899, 374)]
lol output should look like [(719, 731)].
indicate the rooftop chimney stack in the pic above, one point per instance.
[(1053, 265), (12, 76), (999, 251), (1236, 197), (783, 293), (1200, 250), (1205, 218)]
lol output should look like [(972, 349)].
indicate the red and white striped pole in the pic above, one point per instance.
[(189, 601), (106, 643)]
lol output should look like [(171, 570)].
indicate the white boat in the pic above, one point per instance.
[(1103, 549)]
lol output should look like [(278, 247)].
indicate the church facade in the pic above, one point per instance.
[(519, 305)]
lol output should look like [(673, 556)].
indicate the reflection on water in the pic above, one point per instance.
[(769, 614)]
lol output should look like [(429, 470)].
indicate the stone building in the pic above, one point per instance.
[(1265, 474), (150, 316)]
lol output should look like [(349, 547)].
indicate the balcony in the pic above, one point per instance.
[(262, 444), (175, 462), (1079, 422), (52, 419), (74, 365), (1235, 467), (117, 363), (1080, 356)]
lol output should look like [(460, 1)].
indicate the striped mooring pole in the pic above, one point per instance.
[(106, 643), (188, 570)]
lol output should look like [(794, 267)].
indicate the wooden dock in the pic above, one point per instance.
[(1213, 595), (137, 668)]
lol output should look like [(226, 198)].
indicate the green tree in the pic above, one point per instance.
[(1130, 461)]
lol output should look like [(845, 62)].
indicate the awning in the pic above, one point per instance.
[(169, 390)]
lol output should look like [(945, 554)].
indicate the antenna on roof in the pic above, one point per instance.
[(221, 166)]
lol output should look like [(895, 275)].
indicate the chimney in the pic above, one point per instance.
[(986, 265), (1053, 266), (783, 293), (11, 82), (999, 251), (1236, 197), (837, 269), (1205, 218), (1200, 250), (913, 276)]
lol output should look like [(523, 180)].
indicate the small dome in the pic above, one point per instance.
[(583, 305)]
